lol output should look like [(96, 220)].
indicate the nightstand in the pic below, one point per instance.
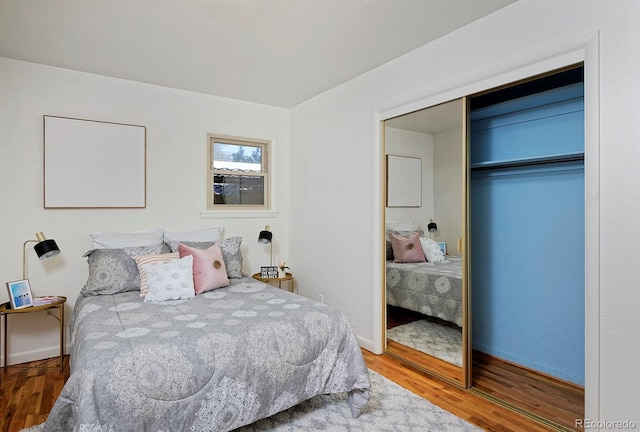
[(5, 311), (286, 277)]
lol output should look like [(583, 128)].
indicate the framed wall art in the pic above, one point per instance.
[(443, 247), (20, 295), (93, 164)]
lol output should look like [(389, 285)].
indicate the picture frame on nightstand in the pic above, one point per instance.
[(20, 295)]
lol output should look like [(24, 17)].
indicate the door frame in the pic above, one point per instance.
[(581, 49)]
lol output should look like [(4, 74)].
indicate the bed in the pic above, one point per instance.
[(214, 362), (431, 288)]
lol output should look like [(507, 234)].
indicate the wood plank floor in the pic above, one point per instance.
[(27, 395), (526, 389), (541, 394), (28, 391)]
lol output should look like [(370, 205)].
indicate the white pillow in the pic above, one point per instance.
[(213, 234), (107, 240), (431, 250), (171, 280)]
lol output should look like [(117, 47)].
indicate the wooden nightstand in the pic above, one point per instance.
[(5, 311), (286, 277)]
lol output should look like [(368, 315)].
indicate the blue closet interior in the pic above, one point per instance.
[(526, 215)]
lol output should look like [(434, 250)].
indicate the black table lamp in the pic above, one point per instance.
[(265, 238), (44, 248)]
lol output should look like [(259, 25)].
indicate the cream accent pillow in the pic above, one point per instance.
[(151, 259), (172, 280), (114, 240)]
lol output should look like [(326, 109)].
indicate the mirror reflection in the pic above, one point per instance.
[(424, 217)]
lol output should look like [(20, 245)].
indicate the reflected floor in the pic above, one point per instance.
[(433, 336)]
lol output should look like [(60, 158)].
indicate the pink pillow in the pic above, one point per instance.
[(407, 248), (209, 271)]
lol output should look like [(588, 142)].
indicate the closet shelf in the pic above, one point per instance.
[(538, 160)]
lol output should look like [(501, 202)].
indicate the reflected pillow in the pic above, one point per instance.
[(209, 271), (407, 248), (431, 250)]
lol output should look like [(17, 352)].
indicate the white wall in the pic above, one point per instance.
[(177, 125), (401, 142), (333, 233)]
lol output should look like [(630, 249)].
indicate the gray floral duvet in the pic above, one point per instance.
[(221, 360)]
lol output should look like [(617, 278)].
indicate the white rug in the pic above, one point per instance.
[(434, 339), (390, 409)]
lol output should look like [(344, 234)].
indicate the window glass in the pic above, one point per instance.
[(237, 173)]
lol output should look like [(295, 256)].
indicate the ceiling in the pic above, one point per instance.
[(274, 52)]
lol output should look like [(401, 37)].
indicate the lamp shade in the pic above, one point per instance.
[(265, 236), (46, 249)]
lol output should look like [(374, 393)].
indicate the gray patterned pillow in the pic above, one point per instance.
[(231, 253), (113, 271)]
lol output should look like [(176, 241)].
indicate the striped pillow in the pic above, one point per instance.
[(151, 259)]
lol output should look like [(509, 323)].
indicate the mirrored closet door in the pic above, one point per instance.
[(425, 219), (496, 180)]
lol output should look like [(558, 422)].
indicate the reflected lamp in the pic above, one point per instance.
[(432, 227)]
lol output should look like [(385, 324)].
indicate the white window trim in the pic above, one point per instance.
[(248, 213)]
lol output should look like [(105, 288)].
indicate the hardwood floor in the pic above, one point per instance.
[(558, 401), (465, 404), (544, 395), (28, 391), (27, 395)]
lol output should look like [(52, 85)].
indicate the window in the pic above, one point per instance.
[(238, 173)]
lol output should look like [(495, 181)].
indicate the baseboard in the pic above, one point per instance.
[(366, 344), (33, 355)]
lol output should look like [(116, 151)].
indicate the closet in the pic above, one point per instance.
[(526, 223), (502, 174)]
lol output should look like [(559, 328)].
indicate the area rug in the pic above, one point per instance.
[(391, 408), (434, 339)]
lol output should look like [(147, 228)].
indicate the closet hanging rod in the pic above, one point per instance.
[(528, 162)]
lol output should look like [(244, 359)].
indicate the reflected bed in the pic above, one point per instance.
[(433, 289)]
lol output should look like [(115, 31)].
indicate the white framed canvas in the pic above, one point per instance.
[(93, 164), (404, 181)]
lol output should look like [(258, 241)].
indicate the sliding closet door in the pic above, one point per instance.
[(527, 232)]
